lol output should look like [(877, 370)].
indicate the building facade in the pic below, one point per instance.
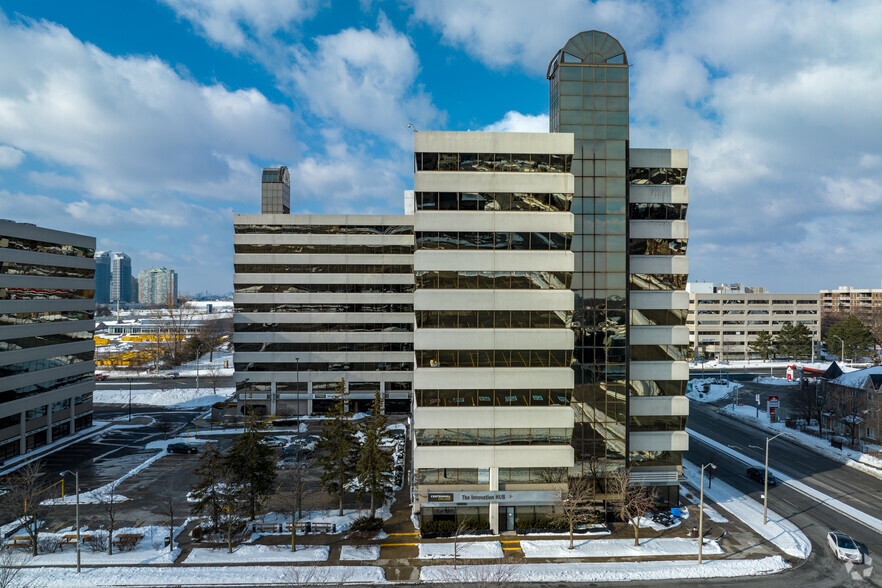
[(158, 285), (722, 325), (630, 271), (47, 287), (120, 277), (320, 298), (865, 304), (102, 277), (493, 338)]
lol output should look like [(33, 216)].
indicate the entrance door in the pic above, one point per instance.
[(509, 518)]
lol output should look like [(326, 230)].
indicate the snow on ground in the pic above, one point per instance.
[(716, 392), (603, 572), (780, 531), (709, 511), (150, 550), (172, 398), (773, 381), (321, 516), (607, 548), (360, 553), (647, 523), (855, 459), (199, 576), (258, 554), (464, 550)]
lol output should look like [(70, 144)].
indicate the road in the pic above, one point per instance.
[(148, 383), (815, 519)]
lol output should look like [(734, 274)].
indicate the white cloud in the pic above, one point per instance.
[(10, 157), (365, 80), (528, 34), (234, 24), (127, 126), (516, 122), (858, 194)]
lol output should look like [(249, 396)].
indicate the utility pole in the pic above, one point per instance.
[(766, 480), (701, 512)]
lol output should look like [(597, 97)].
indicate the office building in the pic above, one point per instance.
[(120, 277), (46, 328), (493, 338), (158, 285), (102, 277), (275, 191), (723, 324), (320, 298), (630, 270)]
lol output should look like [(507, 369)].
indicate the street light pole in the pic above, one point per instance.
[(297, 363), (77, 482), (766, 479), (842, 354), (701, 512), (130, 399), (198, 354)]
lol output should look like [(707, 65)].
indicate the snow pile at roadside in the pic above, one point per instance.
[(854, 459), (605, 571), (773, 381), (258, 554), (607, 548), (717, 391), (359, 553), (464, 550), (172, 398), (200, 576), (780, 531)]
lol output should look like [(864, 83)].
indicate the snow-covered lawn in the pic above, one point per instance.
[(773, 381), (617, 548), (716, 392), (855, 459), (709, 511), (200, 576), (321, 516), (360, 553), (603, 572), (647, 523), (780, 531), (150, 550), (171, 398), (258, 554), (464, 550)]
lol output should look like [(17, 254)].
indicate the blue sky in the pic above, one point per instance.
[(146, 123)]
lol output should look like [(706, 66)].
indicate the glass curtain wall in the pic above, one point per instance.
[(589, 98)]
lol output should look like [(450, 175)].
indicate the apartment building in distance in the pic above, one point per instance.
[(47, 324), (121, 277), (723, 320), (158, 285), (493, 340), (863, 303), (102, 277), (320, 298)]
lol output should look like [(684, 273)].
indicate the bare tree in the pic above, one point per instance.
[(633, 501), (211, 333), (292, 499), (164, 427), (577, 503), (213, 374), (109, 499), (168, 507), (481, 576), (175, 322), (461, 529), (12, 564), (23, 500), (850, 406)]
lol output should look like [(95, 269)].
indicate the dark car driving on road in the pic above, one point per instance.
[(182, 448), (759, 475)]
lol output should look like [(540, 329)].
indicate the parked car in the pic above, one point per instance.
[(170, 376), (99, 377), (844, 547), (290, 463), (275, 441), (759, 475), (182, 448)]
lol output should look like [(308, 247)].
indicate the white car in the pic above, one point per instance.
[(844, 547)]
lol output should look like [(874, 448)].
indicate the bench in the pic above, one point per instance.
[(266, 528), (71, 539), (310, 527), (19, 541), (127, 539)]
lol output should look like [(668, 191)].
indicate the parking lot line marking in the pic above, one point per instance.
[(399, 534), (398, 544), (59, 526), (138, 524)]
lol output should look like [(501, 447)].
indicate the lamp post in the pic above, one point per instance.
[(77, 482), (842, 355), (701, 512), (130, 399), (198, 355), (766, 479), (297, 364)]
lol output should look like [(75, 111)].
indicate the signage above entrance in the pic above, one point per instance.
[(482, 497)]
